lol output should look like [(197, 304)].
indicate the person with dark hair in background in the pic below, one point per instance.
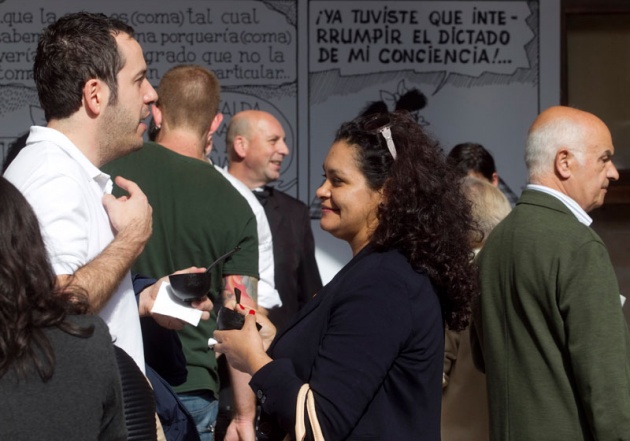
[(472, 159), (371, 343), (548, 329), (58, 374), (256, 146)]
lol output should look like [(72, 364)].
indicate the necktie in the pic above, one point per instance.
[(263, 194)]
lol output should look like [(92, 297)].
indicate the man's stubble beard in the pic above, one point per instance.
[(117, 136)]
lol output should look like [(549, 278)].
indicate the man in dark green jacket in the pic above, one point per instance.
[(549, 328)]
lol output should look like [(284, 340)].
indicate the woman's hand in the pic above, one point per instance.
[(267, 331), (245, 349)]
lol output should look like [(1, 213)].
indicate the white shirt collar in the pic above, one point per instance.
[(573, 206), (47, 134)]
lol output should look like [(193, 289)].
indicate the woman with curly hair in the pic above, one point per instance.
[(371, 342), (58, 374)]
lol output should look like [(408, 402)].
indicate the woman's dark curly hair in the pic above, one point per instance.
[(424, 215), (29, 297)]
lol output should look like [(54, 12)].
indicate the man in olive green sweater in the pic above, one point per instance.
[(549, 329)]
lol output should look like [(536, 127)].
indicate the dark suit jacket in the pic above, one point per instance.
[(550, 328), (371, 346), (296, 274)]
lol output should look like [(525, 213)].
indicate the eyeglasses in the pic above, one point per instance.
[(382, 124)]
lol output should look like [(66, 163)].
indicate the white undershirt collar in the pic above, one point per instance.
[(573, 206)]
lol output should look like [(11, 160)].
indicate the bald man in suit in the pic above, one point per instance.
[(256, 145)]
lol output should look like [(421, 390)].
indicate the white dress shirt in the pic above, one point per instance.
[(268, 296), (566, 200), (65, 190)]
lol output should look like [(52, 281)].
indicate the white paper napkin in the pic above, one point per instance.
[(167, 303)]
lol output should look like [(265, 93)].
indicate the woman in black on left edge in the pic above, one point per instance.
[(59, 380), (370, 344)]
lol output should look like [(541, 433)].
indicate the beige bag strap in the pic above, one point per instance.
[(312, 416), (300, 428), (306, 395)]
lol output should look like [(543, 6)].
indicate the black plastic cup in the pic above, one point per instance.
[(228, 319)]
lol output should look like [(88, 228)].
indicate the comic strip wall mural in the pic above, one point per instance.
[(475, 71)]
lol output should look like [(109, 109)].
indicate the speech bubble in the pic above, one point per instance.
[(464, 37), (244, 42)]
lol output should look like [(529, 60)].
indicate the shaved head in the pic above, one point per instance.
[(256, 145), (571, 150)]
